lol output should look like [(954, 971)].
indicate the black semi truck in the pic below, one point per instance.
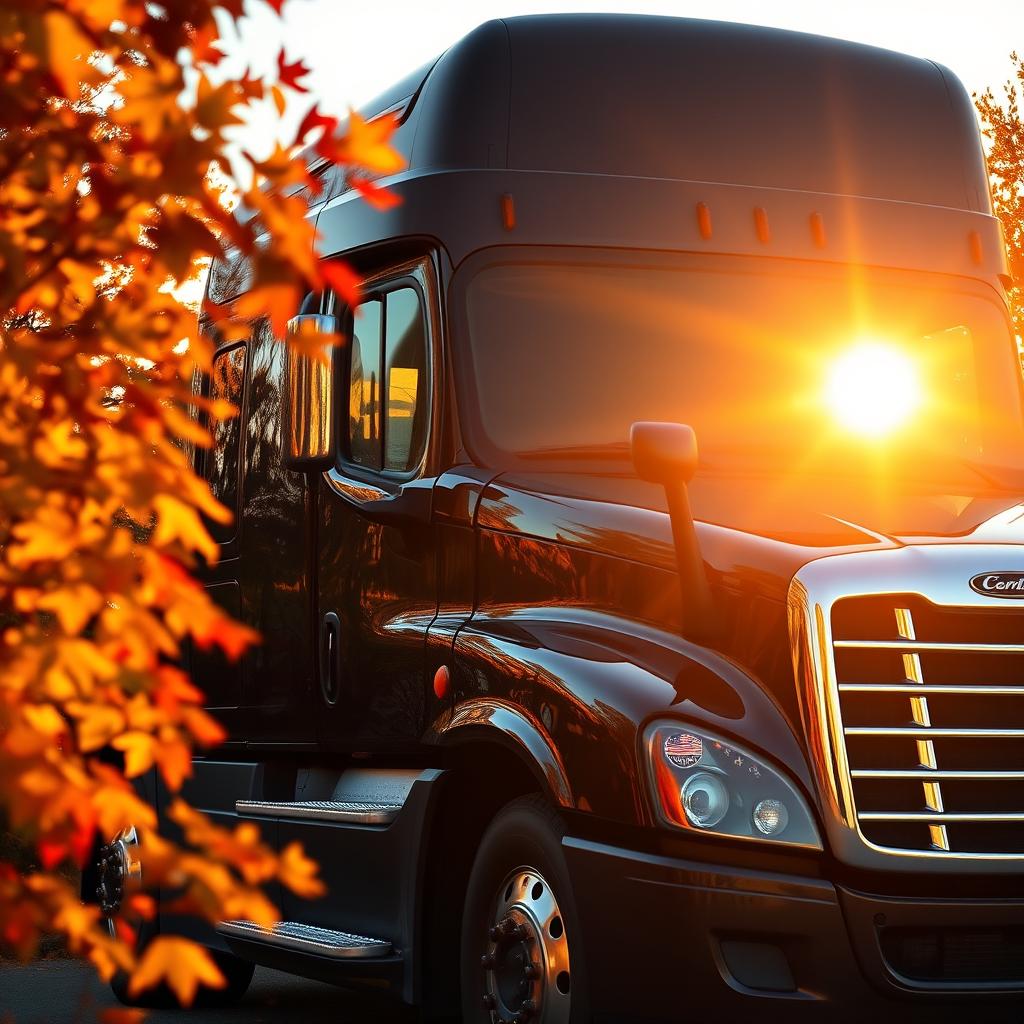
[(581, 724)]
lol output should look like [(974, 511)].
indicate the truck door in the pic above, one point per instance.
[(376, 558), (276, 555), (218, 678)]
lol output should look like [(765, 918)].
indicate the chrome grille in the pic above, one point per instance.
[(931, 713)]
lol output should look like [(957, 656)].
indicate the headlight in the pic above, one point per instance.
[(706, 784)]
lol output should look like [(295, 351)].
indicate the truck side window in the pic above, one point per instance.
[(364, 385), (226, 379), (405, 365), (387, 422)]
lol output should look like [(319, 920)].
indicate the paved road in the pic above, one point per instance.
[(66, 992)]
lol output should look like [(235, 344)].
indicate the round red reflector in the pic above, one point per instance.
[(442, 682)]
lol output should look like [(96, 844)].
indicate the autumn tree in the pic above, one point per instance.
[(113, 132), (1002, 124)]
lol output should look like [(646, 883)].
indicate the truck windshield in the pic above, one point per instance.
[(777, 366)]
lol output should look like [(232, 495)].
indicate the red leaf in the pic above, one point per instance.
[(379, 198), (314, 119), (81, 843), (51, 852), (289, 74), (343, 279), (204, 44)]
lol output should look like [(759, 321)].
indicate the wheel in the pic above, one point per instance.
[(521, 956), (118, 872)]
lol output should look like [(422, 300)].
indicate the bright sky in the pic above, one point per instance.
[(356, 50)]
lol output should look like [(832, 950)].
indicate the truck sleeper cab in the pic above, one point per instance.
[(580, 726)]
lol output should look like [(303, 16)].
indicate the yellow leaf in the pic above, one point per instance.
[(97, 724), (138, 750), (179, 522), (182, 964), (73, 604)]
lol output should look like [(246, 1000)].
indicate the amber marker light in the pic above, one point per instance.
[(872, 389)]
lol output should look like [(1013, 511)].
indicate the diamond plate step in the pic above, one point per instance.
[(354, 812), (309, 939)]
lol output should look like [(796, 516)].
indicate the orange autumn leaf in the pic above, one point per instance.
[(366, 144), (298, 872), (379, 198), (181, 964), (277, 301)]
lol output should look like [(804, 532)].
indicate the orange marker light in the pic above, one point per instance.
[(508, 212), (977, 252), (818, 230), (704, 220), (764, 232)]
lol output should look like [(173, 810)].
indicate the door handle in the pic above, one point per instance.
[(330, 657)]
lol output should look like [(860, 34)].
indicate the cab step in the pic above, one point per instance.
[(355, 812), (307, 938)]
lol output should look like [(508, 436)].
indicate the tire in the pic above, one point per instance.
[(237, 973), (521, 951)]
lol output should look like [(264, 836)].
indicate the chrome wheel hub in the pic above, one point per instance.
[(526, 957), (119, 869)]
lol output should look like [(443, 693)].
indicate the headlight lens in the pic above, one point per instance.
[(707, 784)]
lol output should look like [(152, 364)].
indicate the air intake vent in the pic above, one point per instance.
[(931, 705)]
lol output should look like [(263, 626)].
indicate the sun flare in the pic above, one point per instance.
[(872, 389)]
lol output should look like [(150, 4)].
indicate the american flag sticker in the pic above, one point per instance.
[(684, 749)]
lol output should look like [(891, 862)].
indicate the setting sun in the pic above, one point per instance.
[(872, 389)]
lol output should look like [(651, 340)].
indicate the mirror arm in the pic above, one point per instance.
[(697, 610)]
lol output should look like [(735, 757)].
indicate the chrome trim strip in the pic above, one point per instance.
[(940, 816), (321, 810), (928, 732), (926, 774), (922, 645), (931, 688), (308, 938)]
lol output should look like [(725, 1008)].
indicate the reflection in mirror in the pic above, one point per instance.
[(309, 396)]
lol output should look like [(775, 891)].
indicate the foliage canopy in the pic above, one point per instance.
[(115, 116)]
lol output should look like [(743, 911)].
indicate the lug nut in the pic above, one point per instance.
[(529, 1007), (495, 933), (531, 971), (487, 961), (488, 1001)]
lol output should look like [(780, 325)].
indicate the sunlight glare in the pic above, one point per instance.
[(872, 389)]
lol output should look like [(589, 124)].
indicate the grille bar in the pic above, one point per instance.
[(932, 733), (980, 690), (940, 816), (926, 774), (927, 645)]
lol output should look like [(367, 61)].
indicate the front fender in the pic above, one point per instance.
[(494, 720), (572, 689)]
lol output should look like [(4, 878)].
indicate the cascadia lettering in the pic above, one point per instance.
[(999, 584)]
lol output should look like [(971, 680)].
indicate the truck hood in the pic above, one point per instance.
[(753, 528)]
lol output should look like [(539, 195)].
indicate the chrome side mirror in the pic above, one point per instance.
[(308, 415)]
